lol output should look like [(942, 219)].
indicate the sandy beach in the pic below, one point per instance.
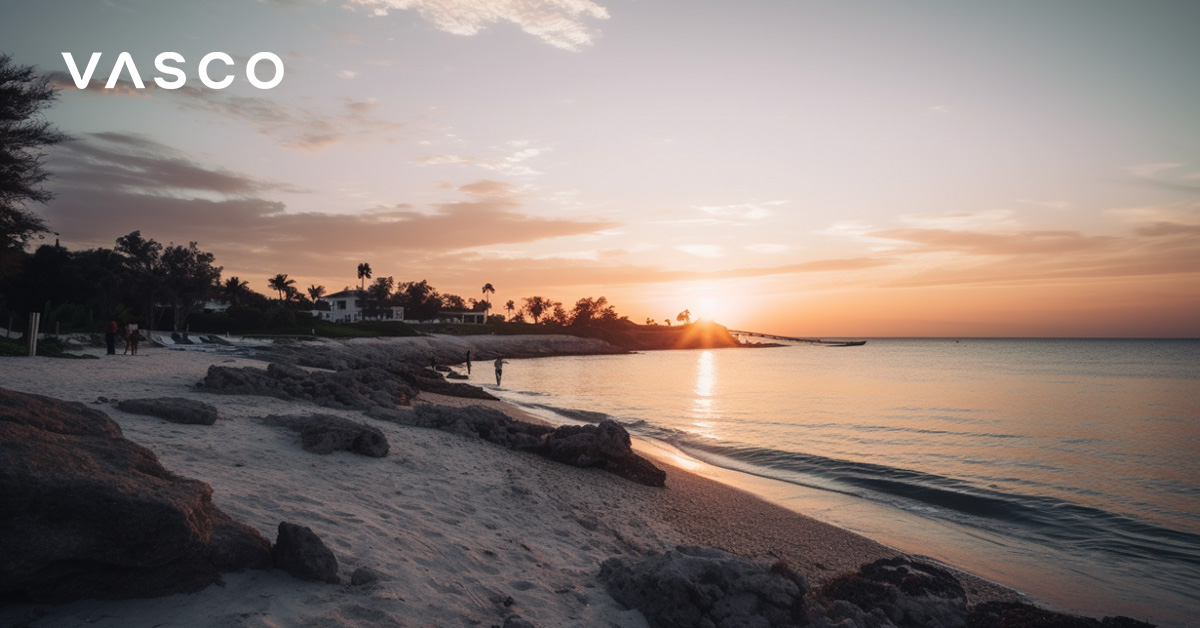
[(464, 533)]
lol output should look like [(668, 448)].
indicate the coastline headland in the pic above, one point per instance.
[(442, 526)]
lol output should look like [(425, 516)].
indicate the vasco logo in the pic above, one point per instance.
[(125, 60)]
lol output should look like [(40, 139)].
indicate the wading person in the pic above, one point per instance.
[(110, 337), (499, 369)]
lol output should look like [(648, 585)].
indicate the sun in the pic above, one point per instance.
[(707, 307)]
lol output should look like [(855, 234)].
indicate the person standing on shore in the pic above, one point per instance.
[(499, 369), (110, 337), (468, 361), (135, 337), (129, 329)]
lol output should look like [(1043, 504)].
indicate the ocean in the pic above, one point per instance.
[(1066, 469)]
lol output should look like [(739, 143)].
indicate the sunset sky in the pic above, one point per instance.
[(1017, 168)]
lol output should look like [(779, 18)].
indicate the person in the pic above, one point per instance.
[(129, 329), (499, 369), (110, 337), (135, 337), (468, 361), (433, 361)]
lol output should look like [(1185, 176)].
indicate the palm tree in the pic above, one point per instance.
[(488, 289), (510, 306), (364, 273), (282, 284), (234, 289), (315, 292), (685, 317)]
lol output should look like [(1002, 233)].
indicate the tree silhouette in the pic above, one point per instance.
[(488, 290), (234, 290), (364, 273), (685, 317), (509, 307), (23, 136), (379, 292), (315, 292), (189, 278), (536, 306), (281, 284)]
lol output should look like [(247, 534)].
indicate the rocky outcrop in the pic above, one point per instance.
[(324, 434), (356, 389), (605, 446), (89, 514), (694, 586), (1019, 615), (173, 409), (300, 552), (902, 592)]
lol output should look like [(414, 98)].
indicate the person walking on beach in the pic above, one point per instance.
[(499, 369), (468, 361), (110, 337)]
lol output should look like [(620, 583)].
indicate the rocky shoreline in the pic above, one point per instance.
[(440, 514)]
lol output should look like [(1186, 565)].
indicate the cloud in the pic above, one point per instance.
[(743, 211), (766, 248), (509, 160), (560, 23), (292, 127), (987, 243), (1149, 170), (110, 184), (702, 250)]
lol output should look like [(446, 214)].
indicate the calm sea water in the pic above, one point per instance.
[(1068, 469)]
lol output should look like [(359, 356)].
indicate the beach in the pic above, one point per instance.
[(463, 532)]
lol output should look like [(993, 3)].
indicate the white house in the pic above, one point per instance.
[(347, 307)]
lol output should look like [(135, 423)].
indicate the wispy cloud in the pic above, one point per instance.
[(560, 23), (292, 127), (508, 160), (702, 250)]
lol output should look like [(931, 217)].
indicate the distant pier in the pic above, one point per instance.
[(812, 341)]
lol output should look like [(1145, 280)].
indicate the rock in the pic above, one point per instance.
[(357, 389), (173, 409), (905, 592), (325, 434), (516, 621), (606, 445), (366, 575), (89, 514), (694, 586), (300, 552), (1019, 615)]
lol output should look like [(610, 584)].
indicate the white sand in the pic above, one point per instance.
[(458, 526)]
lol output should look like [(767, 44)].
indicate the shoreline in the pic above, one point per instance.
[(693, 510)]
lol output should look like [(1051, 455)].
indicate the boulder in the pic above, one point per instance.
[(300, 552), (325, 434), (365, 575), (1020, 615), (173, 409), (695, 586), (89, 514), (357, 389), (905, 592), (606, 445)]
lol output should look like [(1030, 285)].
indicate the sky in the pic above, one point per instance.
[(808, 168)]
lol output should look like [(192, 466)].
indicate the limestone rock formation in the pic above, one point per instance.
[(325, 434), (173, 409), (694, 586), (300, 552), (89, 514)]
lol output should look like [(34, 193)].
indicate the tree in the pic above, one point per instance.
[(315, 292), (24, 135), (144, 281), (453, 302), (684, 317), (235, 291), (421, 301), (587, 310), (379, 292), (189, 279), (281, 284), (364, 273), (488, 290), (536, 306), (651, 321), (509, 307)]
